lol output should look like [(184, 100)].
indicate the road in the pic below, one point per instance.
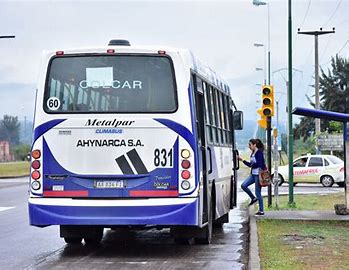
[(26, 247)]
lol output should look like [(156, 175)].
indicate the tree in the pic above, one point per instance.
[(335, 127), (334, 96), (9, 129), (334, 90), (305, 129)]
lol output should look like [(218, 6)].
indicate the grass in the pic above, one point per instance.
[(303, 244), (311, 202), (10, 169)]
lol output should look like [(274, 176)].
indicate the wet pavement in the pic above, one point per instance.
[(126, 249), (25, 247)]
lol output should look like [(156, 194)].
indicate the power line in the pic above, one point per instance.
[(306, 14), (345, 44), (334, 12), (294, 35), (326, 47)]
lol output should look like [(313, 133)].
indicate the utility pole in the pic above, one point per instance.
[(25, 127), (289, 108), (317, 88)]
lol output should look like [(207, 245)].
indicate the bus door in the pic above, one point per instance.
[(200, 127), (236, 123), (234, 178)]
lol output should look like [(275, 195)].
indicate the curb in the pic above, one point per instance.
[(253, 260), (14, 177)]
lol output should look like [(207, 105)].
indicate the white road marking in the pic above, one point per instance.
[(5, 208)]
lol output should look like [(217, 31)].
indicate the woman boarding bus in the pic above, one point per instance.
[(129, 135)]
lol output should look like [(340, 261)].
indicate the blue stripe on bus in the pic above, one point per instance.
[(186, 134), (43, 128), (179, 129), (182, 214)]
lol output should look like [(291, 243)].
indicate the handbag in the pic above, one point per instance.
[(264, 178)]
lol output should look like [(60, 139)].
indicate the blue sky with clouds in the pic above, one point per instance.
[(220, 33)]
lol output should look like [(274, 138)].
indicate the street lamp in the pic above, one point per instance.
[(261, 3)]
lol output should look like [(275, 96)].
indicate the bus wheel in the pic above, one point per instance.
[(183, 241), (206, 237), (73, 240), (94, 239)]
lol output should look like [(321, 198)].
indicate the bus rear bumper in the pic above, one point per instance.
[(157, 211)]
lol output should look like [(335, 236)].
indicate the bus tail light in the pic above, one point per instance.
[(185, 153), (36, 164), (36, 185), (36, 154), (161, 52), (110, 51), (36, 171), (186, 171), (185, 185), (185, 174), (36, 175), (59, 52), (341, 169), (185, 164)]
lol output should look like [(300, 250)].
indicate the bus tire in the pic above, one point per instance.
[(95, 239), (183, 241), (92, 241), (206, 231), (73, 240)]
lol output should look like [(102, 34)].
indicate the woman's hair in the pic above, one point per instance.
[(258, 143)]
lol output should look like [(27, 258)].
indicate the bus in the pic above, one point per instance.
[(128, 136)]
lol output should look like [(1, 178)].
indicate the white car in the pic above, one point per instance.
[(324, 169)]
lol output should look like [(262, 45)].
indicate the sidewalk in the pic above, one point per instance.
[(254, 261)]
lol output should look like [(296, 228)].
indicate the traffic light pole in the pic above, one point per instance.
[(269, 146), (266, 112)]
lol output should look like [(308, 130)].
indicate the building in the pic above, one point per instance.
[(5, 154)]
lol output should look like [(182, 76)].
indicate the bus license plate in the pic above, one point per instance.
[(109, 184)]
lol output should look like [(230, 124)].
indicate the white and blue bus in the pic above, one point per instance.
[(132, 136)]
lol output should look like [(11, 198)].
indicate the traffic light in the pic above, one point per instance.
[(263, 121), (268, 100)]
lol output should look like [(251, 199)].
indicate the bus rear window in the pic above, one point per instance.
[(110, 84)]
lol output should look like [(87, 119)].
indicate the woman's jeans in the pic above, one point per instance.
[(254, 179)]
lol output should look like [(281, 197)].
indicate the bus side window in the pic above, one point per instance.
[(214, 114), (226, 118), (217, 116), (208, 108), (222, 118)]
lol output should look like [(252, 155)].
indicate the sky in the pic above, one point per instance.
[(221, 33)]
